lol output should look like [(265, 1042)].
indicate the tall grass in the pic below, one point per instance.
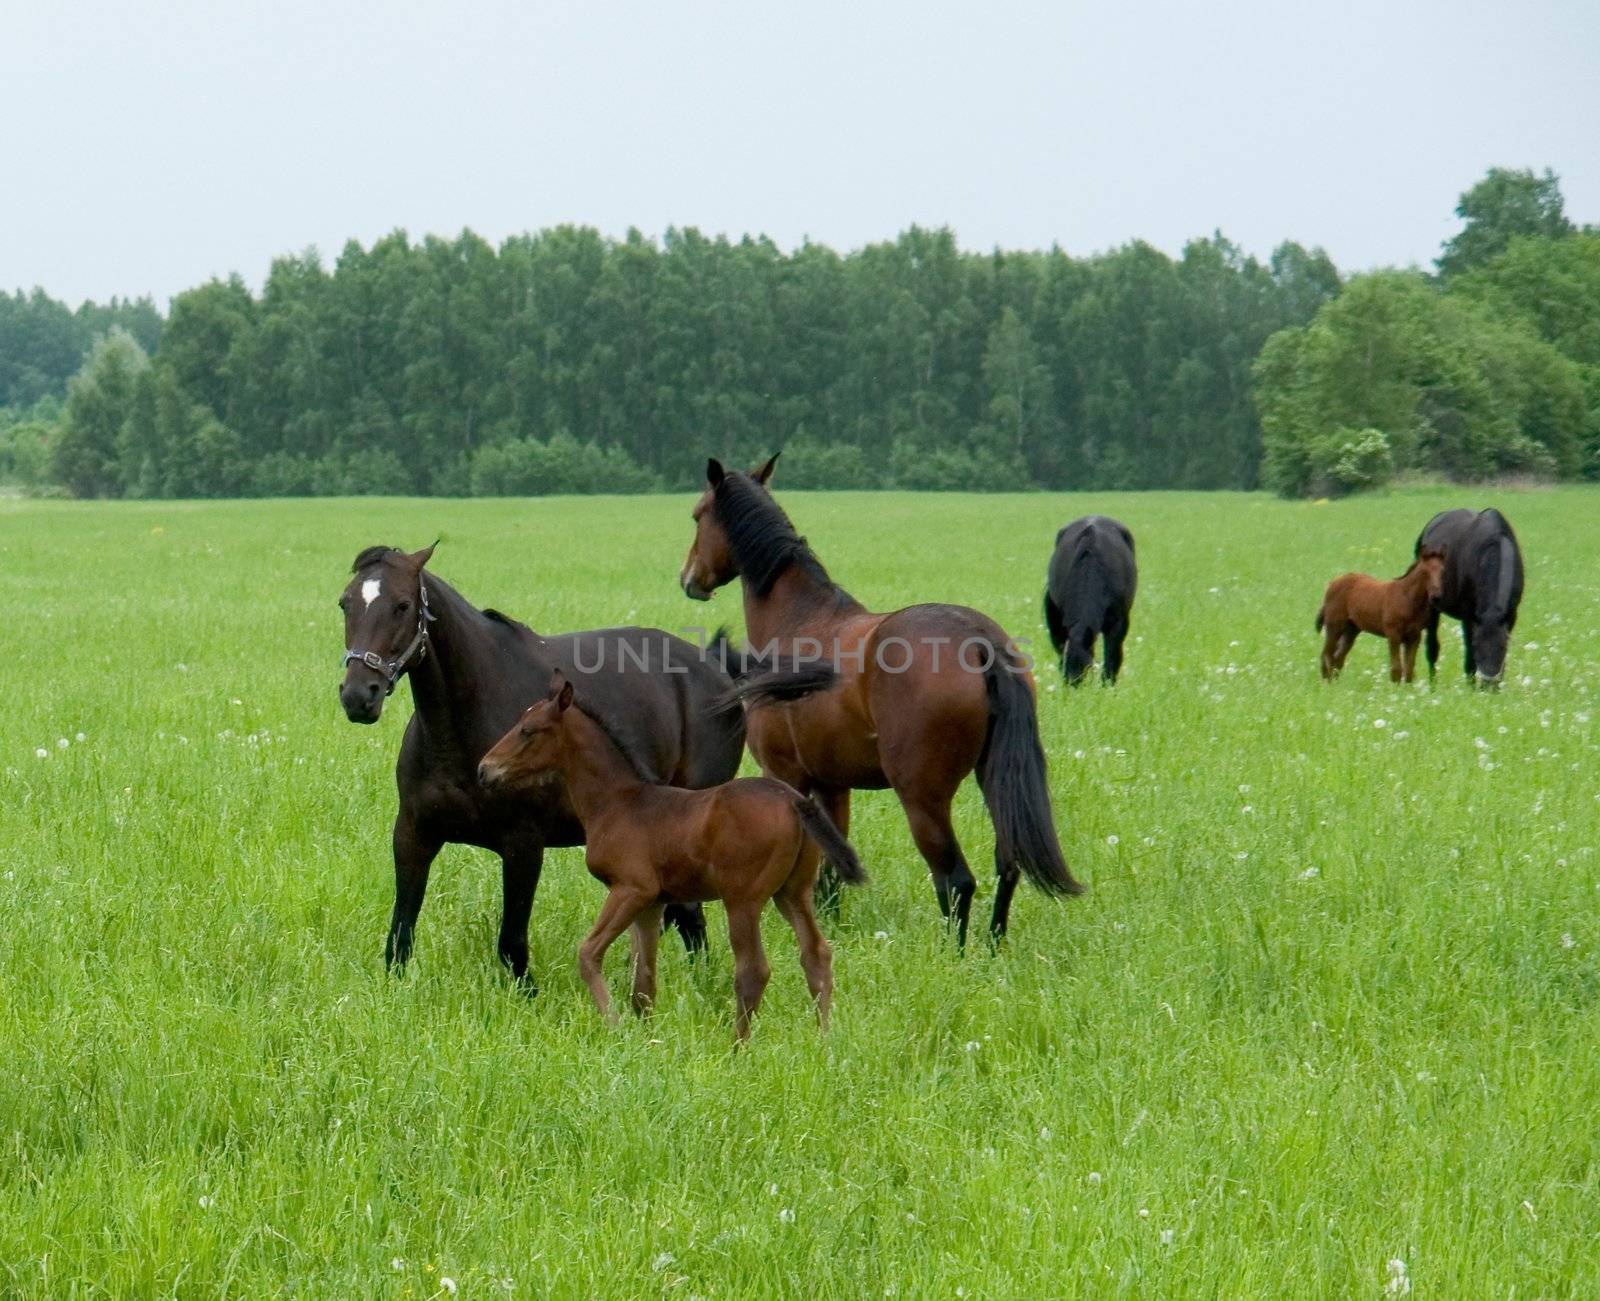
[(1331, 1002)]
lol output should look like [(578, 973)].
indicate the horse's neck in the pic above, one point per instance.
[(796, 601), (594, 770), (1414, 583), (446, 686)]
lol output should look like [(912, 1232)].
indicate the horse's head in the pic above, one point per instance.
[(710, 562), (532, 748), (1491, 639), (1431, 562), (385, 627)]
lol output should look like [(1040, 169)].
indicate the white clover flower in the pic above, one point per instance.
[(662, 1261), (397, 1264), (205, 1202), (772, 1190), (448, 1284), (1094, 1178), (1167, 1235), (79, 736), (1113, 841), (1044, 1133), (62, 743), (1399, 1284), (41, 753), (786, 1216), (1380, 723), (1566, 940), (973, 1045), (1311, 874), (880, 935), (1144, 1212)]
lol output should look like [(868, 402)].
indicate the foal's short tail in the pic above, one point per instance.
[(1319, 618), (838, 851), (1011, 772)]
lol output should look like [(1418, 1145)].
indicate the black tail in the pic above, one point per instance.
[(1319, 618), (838, 851), (767, 687), (1012, 775)]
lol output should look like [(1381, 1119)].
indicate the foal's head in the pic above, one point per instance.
[(385, 627), (1431, 564), (710, 562), (532, 748)]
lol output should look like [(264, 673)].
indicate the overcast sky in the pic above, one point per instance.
[(147, 147)]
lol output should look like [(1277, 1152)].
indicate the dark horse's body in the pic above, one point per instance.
[(1089, 594), (921, 697), (472, 674), (1482, 587)]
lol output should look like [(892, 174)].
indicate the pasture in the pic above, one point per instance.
[(1331, 1002)]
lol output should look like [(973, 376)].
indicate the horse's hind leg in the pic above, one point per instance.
[(646, 931), (750, 968), (1006, 878), (690, 921), (929, 818), (1331, 659), (1115, 634), (1431, 643), (616, 915), (520, 867), (836, 804), (816, 957)]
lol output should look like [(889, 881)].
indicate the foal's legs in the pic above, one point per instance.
[(816, 957), (1396, 668), (621, 907), (1410, 646), (1332, 659), (750, 968), (646, 931)]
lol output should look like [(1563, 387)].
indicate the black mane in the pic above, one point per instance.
[(370, 556), (763, 540)]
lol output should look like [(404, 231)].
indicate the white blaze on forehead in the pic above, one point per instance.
[(370, 590)]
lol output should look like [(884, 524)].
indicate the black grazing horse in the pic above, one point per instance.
[(472, 674), (1482, 587), (1089, 593)]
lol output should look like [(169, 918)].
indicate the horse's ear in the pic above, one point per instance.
[(563, 695), (714, 471), (765, 472), (420, 558)]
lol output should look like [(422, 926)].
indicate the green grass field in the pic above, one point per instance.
[(1331, 1001)]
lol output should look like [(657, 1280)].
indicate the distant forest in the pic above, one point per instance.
[(564, 361)]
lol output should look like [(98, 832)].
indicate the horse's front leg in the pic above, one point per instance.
[(1431, 643), (1466, 642), (1396, 667), (1410, 649), (521, 863), (414, 853)]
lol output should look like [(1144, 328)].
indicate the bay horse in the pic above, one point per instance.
[(743, 842), (1089, 593), (924, 695), (1396, 610), (1482, 587), (471, 672)]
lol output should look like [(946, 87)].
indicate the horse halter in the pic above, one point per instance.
[(392, 669)]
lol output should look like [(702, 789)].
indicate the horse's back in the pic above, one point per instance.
[(664, 694), (1483, 561), (1092, 572)]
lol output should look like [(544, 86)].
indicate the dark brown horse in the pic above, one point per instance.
[(472, 671), (925, 695), (744, 842), (1396, 610), (1482, 587)]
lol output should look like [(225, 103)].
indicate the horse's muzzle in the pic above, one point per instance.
[(490, 774), (1487, 683), (692, 589), (362, 700)]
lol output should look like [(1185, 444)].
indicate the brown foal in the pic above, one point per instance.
[(744, 842), (1396, 610)]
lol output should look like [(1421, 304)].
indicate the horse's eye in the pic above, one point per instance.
[(402, 607)]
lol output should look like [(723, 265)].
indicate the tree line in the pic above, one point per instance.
[(564, 361)]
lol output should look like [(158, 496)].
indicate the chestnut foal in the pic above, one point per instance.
[(1397, 610), (743, 842)]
